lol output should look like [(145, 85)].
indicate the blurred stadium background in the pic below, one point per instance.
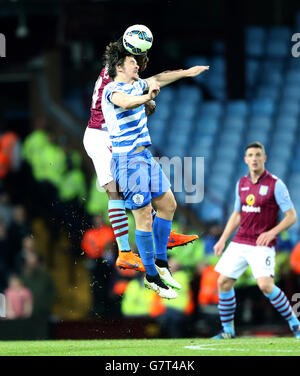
[(48, 194)]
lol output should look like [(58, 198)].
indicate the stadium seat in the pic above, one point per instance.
[(271, 65), (278, 169), (213, 108), (283, 139), (295, 165), (289, 108), (180, 125), (260, 122), (268, 92), (218, 63), (232, 140), (254, 41), (279, 33), (166, 95), (210, 211), (287, 123), (255, 33), (255, 135), (189, 94), (273, 78), (263, 106), (252, 70), (277, 49), (162, 111), (227, 153), (292, 77), (207, 125), (156, 124), (233, 123), (291, 92), (184, 110), (224, 169), (237, 108)]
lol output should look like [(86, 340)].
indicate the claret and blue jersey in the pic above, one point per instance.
[(259, 204)]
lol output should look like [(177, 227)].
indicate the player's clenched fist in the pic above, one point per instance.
[(154, 89)]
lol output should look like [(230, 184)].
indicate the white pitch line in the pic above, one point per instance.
[(204, 347)]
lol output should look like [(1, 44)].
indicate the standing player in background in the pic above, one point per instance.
[(123, 109), (98, 146), (259, 196)]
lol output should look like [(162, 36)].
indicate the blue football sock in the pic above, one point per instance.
[(161, 233), (144, 243), (119, 223), (227, 305)]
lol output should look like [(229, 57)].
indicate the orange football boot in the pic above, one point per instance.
[(130, 260), (177, 240)]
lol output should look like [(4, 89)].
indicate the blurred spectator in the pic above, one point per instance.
[(95, 239), (173, 318), (5, 260), (72, 185), (10, 147), (17, 230), (18, 299), (6, 208), (97, 200), (28, 244), (35, 141), (39, 281), (295, 259), (136, 300)]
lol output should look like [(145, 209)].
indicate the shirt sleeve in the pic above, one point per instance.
[(110, 89), (143, 84), (282, 196), (237, 203)]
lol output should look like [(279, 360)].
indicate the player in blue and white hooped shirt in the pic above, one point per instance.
[(138, 175)]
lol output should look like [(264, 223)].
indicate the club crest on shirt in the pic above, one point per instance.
[(138, 199), (250, 199), (263, 190)]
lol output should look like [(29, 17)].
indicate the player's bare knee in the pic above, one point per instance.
[(266, 287), (225, 283)]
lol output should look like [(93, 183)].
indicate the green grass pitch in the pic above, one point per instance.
[(271, 346)]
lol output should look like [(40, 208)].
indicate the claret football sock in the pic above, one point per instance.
[(119, 223)]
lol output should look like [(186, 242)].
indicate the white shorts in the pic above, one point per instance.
[(237, 257), (98, 147)]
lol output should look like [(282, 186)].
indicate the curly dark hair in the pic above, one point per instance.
[(115, 54)]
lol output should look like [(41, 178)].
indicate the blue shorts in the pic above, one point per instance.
[(140, 178)]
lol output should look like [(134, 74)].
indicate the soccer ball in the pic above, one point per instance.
[(137, 39)]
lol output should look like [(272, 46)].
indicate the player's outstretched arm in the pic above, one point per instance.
[(289, 219), (128, 101), (232, 224), (167, 77)]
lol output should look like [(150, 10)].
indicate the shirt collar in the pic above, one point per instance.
[(262, 176)]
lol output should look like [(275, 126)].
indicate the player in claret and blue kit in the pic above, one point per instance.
[(259, 196)]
